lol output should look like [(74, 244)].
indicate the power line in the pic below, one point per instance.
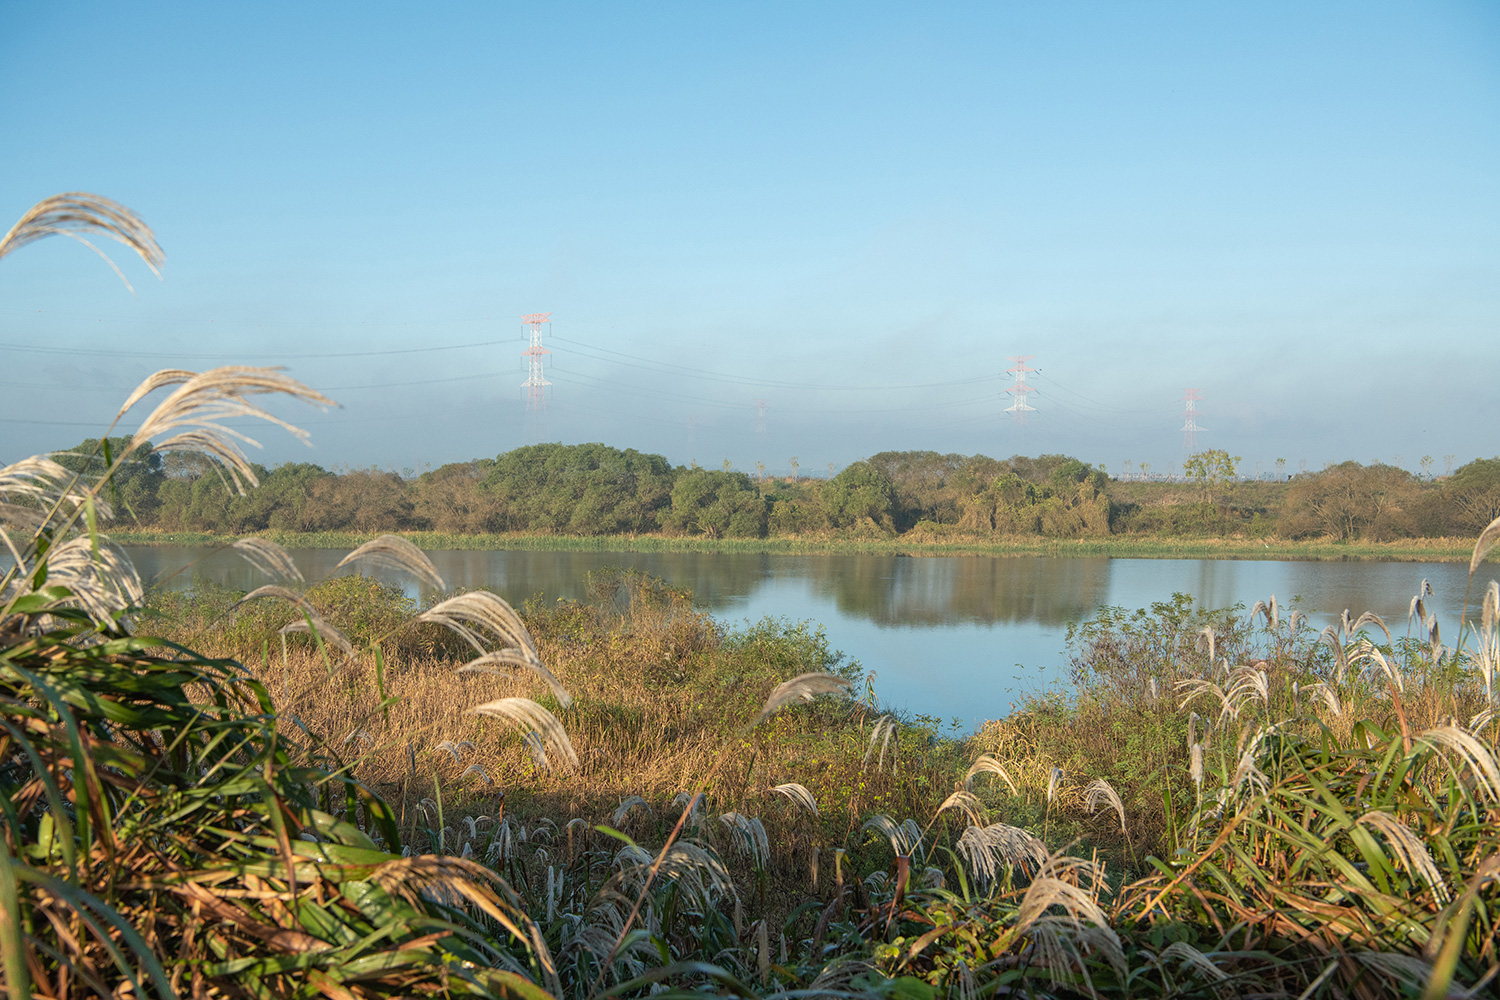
[(668, 368), (321, 388), (249, 357), (1096, 403)]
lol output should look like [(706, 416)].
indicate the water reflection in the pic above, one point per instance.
[(892, 590), (895, 591), (960, 637)]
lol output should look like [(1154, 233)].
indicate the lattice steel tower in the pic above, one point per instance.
[(1190, 426), (536, 384), (1019, 388)]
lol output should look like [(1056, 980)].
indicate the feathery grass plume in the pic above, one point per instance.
[(453, 882), (100, 577), (1207, 641), (1195, 765), (1481, 762), (881, 733), (476, 769), (803, 687), (1102, 793), (1196, 687), (478, 613), (1367, 653), (1295, 621), (1369, 618), (749, 837), (395, 552), (1481, 719), (1330, 638), (315, 623), (74, 213), (697, 870), (41, 482), (190, 418), (988, 763), (1408, 847), (905, 837), (533, 743), (987, 848), (1246, 683), (1271, 612), (270, 558), (1054, 778), (24, 518), (1482, 545), (1418, 611), (1191, 958), (693, 803), (528, 716), (1487, 656), (965, 802), (628, 803), (279, 592), (1062, 939), (454, 749), (799, 794), (1246, 773), (1329, 697), (490, 663)]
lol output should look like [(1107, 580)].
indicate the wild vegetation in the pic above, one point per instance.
[(595, 491), (326, 790)]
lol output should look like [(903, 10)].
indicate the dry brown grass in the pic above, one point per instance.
[(662, 698)]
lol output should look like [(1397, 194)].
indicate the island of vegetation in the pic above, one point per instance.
[(596, 496)]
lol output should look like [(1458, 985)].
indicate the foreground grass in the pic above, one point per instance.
[(1228, 801), (1119, 547)]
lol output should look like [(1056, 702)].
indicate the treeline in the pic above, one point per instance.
[(594, 489)]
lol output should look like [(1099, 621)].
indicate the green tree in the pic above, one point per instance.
[(1211, 472), (859, 494), (584, 489), (717, 504), (137, 478)]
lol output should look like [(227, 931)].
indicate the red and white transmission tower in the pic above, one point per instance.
[(535, 384), (1019, 389), (1190, 426)]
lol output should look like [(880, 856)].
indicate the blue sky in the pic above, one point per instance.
[(1294, 208)]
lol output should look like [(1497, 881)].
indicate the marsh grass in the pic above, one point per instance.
[(1125, 547)]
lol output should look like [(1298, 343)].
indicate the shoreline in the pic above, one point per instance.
[(1406, 550)]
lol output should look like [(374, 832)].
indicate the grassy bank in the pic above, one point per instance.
[(1228, 801), (1119, 547)]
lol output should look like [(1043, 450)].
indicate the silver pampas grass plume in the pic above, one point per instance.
[(1102, 793), (74, 213), (395, 552), (528, 716), (192, 417), (801, 688)]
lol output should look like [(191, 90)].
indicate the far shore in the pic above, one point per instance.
[(1116, 547)]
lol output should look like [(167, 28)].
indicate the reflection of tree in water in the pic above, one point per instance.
[(888, 590), (942, 591), (713, 578)]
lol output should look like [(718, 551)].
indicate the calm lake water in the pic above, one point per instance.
[(957, 638)]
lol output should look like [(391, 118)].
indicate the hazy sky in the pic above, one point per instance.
[(1294, 208)]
